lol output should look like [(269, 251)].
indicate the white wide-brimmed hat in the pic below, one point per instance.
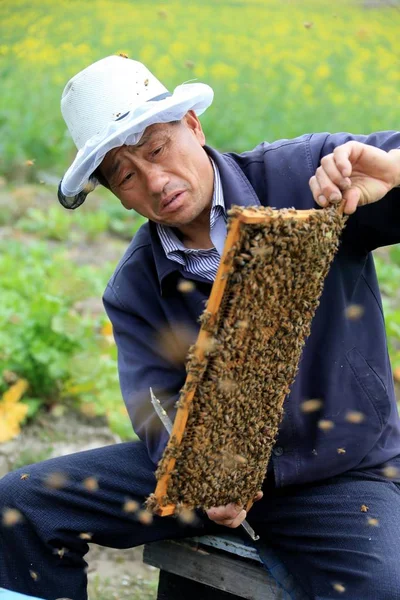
[(109, 104)]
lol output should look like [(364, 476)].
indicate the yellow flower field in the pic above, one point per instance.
[(278, 68)]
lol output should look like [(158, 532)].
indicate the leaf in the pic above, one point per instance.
[(107, 329), (11, 416), (33, 405), (15, 392)]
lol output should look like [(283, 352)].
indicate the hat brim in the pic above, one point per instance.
[(78, 180)]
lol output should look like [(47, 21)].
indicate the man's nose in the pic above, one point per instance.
[(157, 178)]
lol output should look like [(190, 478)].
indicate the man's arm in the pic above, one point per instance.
[(365, 172), (141, 365)]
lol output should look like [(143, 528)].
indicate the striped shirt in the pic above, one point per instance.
[(203, 262)]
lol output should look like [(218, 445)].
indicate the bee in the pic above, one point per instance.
[(309, 406), (145, 517), (185, 286), (56, 481), (354, 312), (390, 472), (354, 416), (11, 517), (90, 484), (326, 424), (130, 506)]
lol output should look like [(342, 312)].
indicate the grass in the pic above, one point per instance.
[(279, 68)]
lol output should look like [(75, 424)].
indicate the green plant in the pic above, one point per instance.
[(122, 222), (388, 271), (45, 340), (93, 223), (53, 223)]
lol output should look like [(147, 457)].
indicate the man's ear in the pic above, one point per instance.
[(191, 120)]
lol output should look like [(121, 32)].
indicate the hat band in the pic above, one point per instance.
[(155, 99)]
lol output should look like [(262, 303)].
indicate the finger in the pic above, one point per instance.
[(224, 513), (352, 198), (329, 190), (342, 159), (238, 520), (258, 496), (317, 192), (330, 167)]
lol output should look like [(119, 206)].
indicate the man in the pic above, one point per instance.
[(331, 508)]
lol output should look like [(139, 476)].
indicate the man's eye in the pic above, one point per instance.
[(127, 177), (156, 151)]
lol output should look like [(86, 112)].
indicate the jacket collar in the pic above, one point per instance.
[(237, 191)]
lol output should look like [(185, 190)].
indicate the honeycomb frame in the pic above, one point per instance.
[(246, 356)]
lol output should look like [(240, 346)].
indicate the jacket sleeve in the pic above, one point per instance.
[(141, 365), (376, 224)]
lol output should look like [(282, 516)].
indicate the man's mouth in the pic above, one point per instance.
[(172, 202)]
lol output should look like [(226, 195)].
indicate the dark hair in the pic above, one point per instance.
[(100, 177)]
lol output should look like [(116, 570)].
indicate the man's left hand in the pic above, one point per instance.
[(357, 173)]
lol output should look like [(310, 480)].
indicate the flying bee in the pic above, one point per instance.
[(90, 484), (11, 517)]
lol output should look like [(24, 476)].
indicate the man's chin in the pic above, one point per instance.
[(177, 223), (179, 220)]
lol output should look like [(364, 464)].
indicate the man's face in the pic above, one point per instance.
[(166, 177)]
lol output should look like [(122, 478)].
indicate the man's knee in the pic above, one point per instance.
[(20, 489), (10, 489)]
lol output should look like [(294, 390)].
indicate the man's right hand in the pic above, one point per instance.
[(230, 515)]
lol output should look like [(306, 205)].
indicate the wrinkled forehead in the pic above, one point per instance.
[(152, 132), (113, 158)]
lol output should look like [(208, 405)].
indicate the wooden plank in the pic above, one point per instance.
[(252, 215), (228, 543), (238, 576), (174, 587)]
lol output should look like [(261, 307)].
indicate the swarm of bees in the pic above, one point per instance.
[(273, 271)]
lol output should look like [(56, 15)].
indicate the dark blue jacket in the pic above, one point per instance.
[(345, 362)]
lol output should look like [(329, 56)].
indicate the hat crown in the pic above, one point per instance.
[(104, 92)]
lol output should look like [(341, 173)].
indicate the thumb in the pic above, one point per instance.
[(351, 198)]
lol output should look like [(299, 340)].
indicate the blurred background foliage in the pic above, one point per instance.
[(278, 69)]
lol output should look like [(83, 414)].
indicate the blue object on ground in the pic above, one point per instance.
[(7, 595)]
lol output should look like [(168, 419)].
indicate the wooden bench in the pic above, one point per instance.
[(218, 568)]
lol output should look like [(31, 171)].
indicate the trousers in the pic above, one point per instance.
[(338, 538)]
